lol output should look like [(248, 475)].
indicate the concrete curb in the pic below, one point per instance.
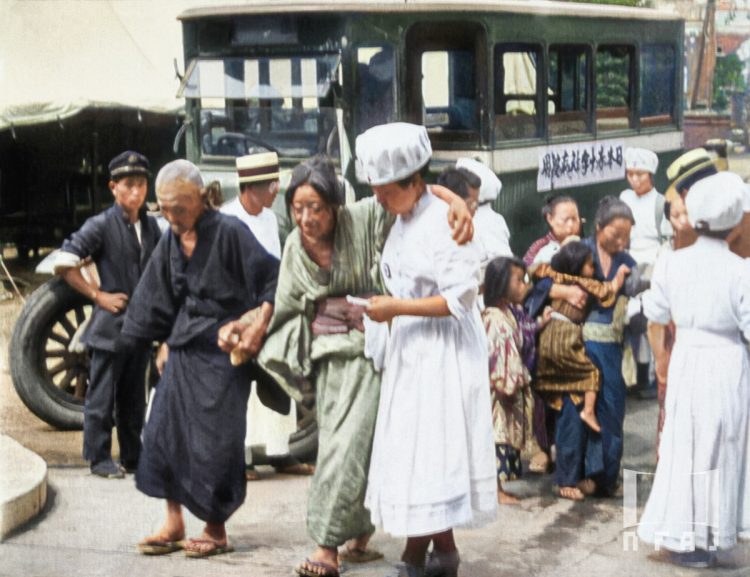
[(23, 485)]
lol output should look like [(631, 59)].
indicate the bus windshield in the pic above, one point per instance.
[(284, 104)]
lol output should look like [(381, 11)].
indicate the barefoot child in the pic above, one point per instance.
[(508, 332), (563, 366)]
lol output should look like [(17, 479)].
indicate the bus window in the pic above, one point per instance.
[(448, 90), (517, 113), (658, 69), (613, 87), (376, 86), (568, 83), (283, 104), (443, 61)]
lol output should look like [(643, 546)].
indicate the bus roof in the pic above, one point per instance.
[(540, 7)]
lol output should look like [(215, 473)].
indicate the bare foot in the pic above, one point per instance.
[(572, 493), (170, 532), (504, 498), (323, 561), (590, 419), (252, 475), (539, 463), (587, 486), (205, 546)]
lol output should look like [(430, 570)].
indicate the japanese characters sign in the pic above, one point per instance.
[(579, 163)]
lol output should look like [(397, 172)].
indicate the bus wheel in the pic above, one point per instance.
[(49, 366)]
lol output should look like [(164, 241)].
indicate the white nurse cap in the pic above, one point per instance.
[(391, 152), (491, 185), (715, 202), (641, 159)]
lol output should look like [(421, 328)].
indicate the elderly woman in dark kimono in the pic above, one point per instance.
[(316, 334), (207, 271)]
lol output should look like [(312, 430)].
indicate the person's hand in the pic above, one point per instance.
[(575, 296), (230, 334), (546, 316), (354, 315), (382, 308), (161, 358), (459, 219), (251, 339), (620, 275), (114, 303)]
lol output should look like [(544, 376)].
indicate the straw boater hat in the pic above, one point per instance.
[(641, 159), (259, 167), (391, 152), (688, 169), (715, 202)]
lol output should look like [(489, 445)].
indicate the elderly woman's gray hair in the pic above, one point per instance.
[(179, 169), (611, 208)]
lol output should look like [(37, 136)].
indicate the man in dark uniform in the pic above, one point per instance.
[(120, 241)]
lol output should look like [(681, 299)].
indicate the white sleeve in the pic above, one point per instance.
[(743, 297), (655, 299), (65, 260), (457, 274)]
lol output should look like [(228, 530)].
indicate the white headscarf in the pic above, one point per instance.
[(391, 152)]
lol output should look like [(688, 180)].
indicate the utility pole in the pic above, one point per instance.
[(707, 34)]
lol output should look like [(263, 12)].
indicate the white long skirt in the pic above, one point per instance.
[(267, 431), (700, 492), (433, 459)]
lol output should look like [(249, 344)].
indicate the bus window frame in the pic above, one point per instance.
[(539, 98), (447, 35), (659, 122), (590, 129), (633, 81), (356, 83)]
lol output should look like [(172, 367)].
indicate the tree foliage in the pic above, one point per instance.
[(728, 78)]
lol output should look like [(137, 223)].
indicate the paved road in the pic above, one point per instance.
[(90, 527)]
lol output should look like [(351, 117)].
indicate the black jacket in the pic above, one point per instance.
[(110, 240)]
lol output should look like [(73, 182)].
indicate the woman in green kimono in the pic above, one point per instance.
[(317, 335)]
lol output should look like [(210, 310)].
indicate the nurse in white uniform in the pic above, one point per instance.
[(432, 466), (700, 500)]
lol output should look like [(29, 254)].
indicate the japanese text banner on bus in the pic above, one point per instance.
[(580, 163)]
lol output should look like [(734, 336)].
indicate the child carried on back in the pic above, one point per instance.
[(563, 366)]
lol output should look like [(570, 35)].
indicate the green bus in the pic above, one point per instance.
[(548, 94)]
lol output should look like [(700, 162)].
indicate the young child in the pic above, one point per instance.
[(563, 366), (511, 334)]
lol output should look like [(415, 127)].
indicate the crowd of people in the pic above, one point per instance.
[(440, 363)]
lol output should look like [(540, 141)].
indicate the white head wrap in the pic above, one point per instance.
[(715, 202), (491, 185), (641, 159), (391, 152)]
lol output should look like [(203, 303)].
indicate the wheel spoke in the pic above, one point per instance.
[(80, 390), (80, 316), (67, 325), (56, 353), (65, 383), (63, 365), (63, 340)]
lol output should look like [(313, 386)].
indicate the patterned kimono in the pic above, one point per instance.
[(563, 366), (346, 383), (512, 400)]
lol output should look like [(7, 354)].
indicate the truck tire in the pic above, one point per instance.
[(51, 379)]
